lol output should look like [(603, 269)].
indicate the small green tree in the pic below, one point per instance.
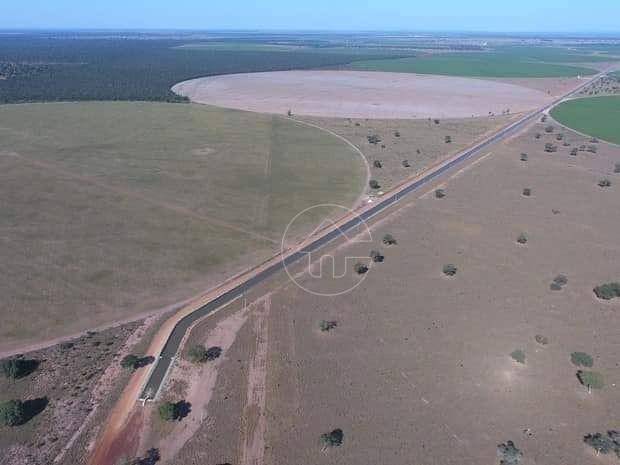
[(168, 411), (509, 454), (197, 354), (608, 291), (604, 444), (406, 164), (12, 413), (388, 239), (550, 148), (130, 362), (440, 193), (522, 239), (333, 438), (581, 359), (549, 129), (396, 134), (377, 164), (527, 192), (376, 256), (213, 353), (524, 157), (447, 139), (374, 184), (518, 356), (617, 168), (604, 183), (360, 268), (327, 326), (538, 135), (591, 379), (574, 152), (450, 269)]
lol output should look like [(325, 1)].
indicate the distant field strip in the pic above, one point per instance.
[(596, 116), (473, 65), (113, 209)]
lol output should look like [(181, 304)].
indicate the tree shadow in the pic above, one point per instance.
[(18, 368), (182, 409), (214, 353), (151, 458), (144, 361), (33, 407)]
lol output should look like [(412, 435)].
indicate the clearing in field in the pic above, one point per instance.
[(597, 116), (358, 94), (113, 209)]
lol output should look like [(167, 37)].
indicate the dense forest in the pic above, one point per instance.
[(35, 68)]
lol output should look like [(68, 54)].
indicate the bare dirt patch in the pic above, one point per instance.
[(353, 94)]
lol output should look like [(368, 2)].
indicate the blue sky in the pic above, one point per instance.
[(461, 15)]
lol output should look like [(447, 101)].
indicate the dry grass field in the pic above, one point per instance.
[(114, 209), (419, 367), (419, 142)]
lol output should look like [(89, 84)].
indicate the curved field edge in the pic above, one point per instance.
[(471, 66), (595, 116), (116, 209)]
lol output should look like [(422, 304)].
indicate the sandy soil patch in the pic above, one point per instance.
[(361, 94)]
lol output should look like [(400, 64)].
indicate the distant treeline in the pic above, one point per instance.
[(34, 69)]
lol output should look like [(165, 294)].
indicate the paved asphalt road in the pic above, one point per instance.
[(171, 348)]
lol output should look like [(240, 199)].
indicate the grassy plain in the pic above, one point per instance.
[(597, 116), (112, 209), (420, 142)]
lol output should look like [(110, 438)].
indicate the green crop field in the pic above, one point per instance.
[(112, 209), (473, 65), (596, 116)]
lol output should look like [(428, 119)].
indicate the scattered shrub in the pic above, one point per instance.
[(574, 152), (617, 168), (542, 340), (604, 444), (607, 291), (551, 148), (130, 362), (168, 411), (604, 183), (522, 239), (373, 139), (388, 239), (591, 379), (560, 280), (328, 325), (376, 256), (581, 359), (538, 135), (549, 129), (12, 413), (518, 356), (377, 164), (333, 438), (440, 193), (543, 118), (447, 139), (594, 140), (360, 268), (524, 157), (450, 269), (436, 121), (509, 454), (592, 149), (559, 137), (197, 354), (374, 184), (527, 192), (396, 134), (406, 163)]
